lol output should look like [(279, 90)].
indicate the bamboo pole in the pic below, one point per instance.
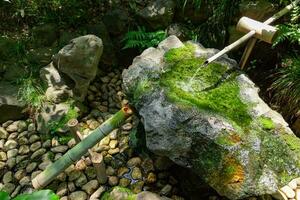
[(96, 158), (80, 149), (252, 41)]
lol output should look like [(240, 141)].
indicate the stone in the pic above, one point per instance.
[(124, 182), (137, 187), (61, 177), (90, 172), (34, 138), (10, 144), (71, 186), (9, 187), (35, 146), (31, 127), (79, 61), (24, 149), (38, 153), (202, 126), (105, 141), (136, 173), (74, 175), (62, 189), (12, 153), (119, 193), (113, 144), (3, 133), (7, 177), (16, 191), (166, 190), (90, 186), (35, 173), (146, 195), (25, 181), (31, 167), (9, 103), (11, 162), (158, 13), (127, 127), (110, 171), (60, 149), (293, 184), (113, 180), (78, 195), (135, 161), (81, 180), (97, 193), (3, 156), (20, 174), (122, 171), (147, 165), (151, 178), (44, 165), (289, 192), (23, 140), (93, 125), (114, 151), (113, 135)]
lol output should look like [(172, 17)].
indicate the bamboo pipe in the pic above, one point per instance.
[(252, 41), (81, 148), (250, 35)]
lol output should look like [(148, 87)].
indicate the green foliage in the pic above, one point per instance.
[(39, 195), (266, 123), (61, 123), (289, 32), (223, 99), (130, 195), (142, 39), (196, 3), (31, 93), (287, 86)]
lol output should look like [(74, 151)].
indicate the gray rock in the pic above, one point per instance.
[(81, 180), (24, 149), (25, 181), (31, 167), (79, 61), (158, 13), (7, 177), (35, 146), (90, 186), (62, 189), (10, 144), (9, 103), (3, 156), (34, 138), (78, 195), (9, 187), (218, 126), (2, 165), (12, 153), (11, 162), (38, 153), (146, 195), (3, 133), (60, 149)]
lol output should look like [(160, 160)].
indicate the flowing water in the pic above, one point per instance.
[(189, 85)]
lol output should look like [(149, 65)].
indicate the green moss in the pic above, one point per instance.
[(228, 139), (107, 196), (222, 99), (142, 87), (266, 123), (293, 142)]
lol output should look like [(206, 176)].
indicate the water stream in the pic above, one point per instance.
[(189, 85)]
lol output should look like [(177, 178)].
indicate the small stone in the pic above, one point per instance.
[(105, 141), (110, 171), (71, 186), (7, 123), (58, 156), (90, 187), (127, 127), (105, 79), (16, 191), (124, 182), (11, 162), (122, 171), (94, 124), (113, 144), (97, 193), (80, 165), (62, 189), (10, 144), (12, 153), (81, 180), (12, 127), (90, 172), (293, 184), (24, 149), (31, 167), (148, 165), (25, 181), (13, 135), (34, 138), (21, 158), (31, 127), (22, 126), (78, 195), (9, 187), (71, 143), (35, 146), (137, 187), (47, 144), (2, 165), (113, 135), (151, 178), (3, 133), (44, 165), (166, 190), (38, 153), (23, 140), (7, 177), (113, 180), (136, 173), (135, 161), (74, 175), (3, 156), (101, 148), (114, 151), (2, 141), (20, 174), (61, 177), (35, 173), (60, 149), (289, 192)]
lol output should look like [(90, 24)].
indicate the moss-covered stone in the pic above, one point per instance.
[(118, 193)]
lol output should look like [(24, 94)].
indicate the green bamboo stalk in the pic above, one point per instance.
[(80, 149)]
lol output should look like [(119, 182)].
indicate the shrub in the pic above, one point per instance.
[(39, 195)]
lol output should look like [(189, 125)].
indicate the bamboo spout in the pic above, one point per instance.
[(81, 148)]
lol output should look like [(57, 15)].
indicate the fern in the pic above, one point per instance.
[(290, 32), (141, 39)]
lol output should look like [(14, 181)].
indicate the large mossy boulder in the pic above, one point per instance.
[(216, 124)]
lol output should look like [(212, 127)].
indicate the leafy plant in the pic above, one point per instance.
[(142, 39), (31, 93), (196, 3), (39, 195), (287, 86)]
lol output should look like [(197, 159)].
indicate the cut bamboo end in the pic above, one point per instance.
[(99, 165)]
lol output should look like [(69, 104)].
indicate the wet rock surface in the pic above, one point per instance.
[(217, 125)]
